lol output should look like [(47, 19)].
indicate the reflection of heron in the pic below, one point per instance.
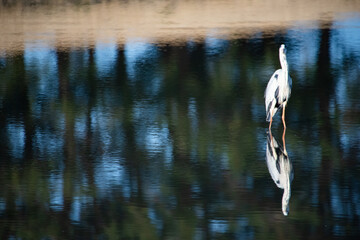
[(278, 89), (280, 168)]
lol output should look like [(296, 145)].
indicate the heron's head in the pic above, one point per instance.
[(282, 50), (282, 55), (285, 208)]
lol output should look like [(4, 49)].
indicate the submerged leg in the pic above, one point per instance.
[(283, 139), (283, 116), (271, 137)]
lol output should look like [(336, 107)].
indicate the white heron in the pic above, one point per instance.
[(278, 89), (280, 169)]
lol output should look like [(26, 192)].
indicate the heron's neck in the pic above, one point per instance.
[(285, 69), (287, 189), (286, 196)]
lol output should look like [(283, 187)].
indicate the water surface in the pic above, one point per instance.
[(156, 138)]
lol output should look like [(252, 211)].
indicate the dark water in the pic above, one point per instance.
[(147, 141)]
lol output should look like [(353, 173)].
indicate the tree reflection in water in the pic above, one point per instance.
[(148, 141)]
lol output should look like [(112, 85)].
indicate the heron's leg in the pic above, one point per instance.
[(283, 116), (271, 116), (270, 123)]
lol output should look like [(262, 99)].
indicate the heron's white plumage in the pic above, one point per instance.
[(278, 89), (270, 93)]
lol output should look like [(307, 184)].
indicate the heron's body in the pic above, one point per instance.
[(278, 89), (280, 169)]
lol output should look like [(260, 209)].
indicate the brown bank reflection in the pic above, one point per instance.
[(64, 23)]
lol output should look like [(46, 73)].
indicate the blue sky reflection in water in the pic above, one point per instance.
[(149, 141)]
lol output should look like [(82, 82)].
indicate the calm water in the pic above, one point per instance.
[(140, 140)]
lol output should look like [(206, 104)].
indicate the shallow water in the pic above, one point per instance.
[(160, 139)]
